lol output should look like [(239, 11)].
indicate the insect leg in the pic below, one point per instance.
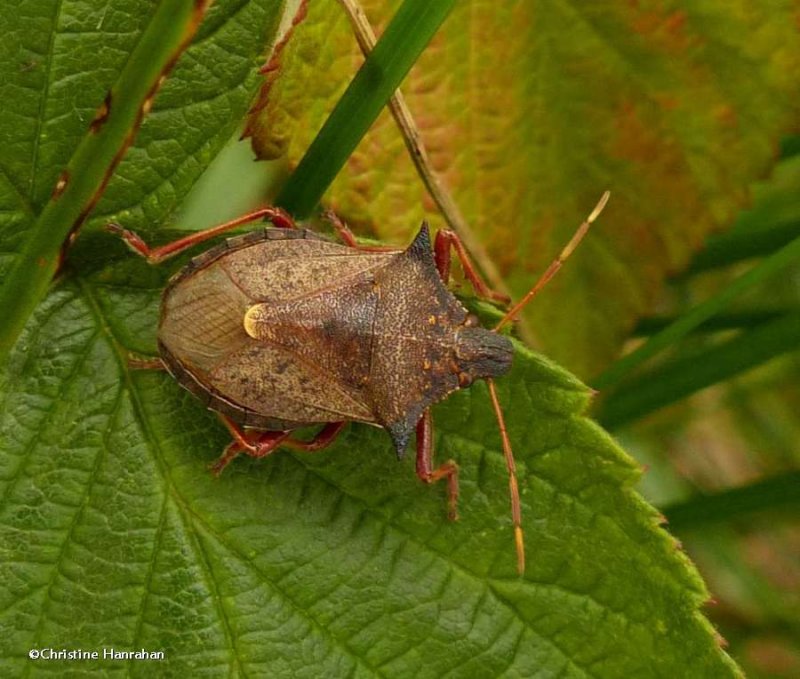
[(142, 363), (276, 215), (445, 242), (231, 451), (262, 444), (347, 237), (324, 438), (266, 442), (425, 471)]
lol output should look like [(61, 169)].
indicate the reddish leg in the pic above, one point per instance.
[(425, 470), (445, 242), (347, 237), (278, 217), (323, 439), (142, 363), (260, 446), (264, 443)]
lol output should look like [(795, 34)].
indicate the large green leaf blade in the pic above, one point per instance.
[(58, 62), (114, 533), (723, 460), (86, 107), (93, 154)]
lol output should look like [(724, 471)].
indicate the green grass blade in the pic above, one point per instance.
[(669, 336), (90, 167), (731, 321), (739, 245), (790, 146), (686, 375), (777, 492), (395, 53)]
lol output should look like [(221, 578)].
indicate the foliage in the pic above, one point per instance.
[(113, 532), (332, 563), (531, 110), (724, 461)]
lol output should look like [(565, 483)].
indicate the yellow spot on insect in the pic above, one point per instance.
[(426, 364), (432, 320), (250, 321)]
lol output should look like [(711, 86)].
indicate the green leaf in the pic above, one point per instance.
[(82, 78), (531, 110), (735, 246), (114, 533), (720, 321), (771, 222), (765, 333), (722, 462), (697, 370)]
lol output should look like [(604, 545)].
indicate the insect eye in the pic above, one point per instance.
[(464, 379)]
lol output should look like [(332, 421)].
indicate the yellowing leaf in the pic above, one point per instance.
[(531, 110)]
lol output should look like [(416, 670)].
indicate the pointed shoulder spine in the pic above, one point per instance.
[(420, 249)]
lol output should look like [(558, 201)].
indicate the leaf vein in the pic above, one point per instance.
[(24, 457), (148, 580), (233, 549), (139, 413), (69, 538), (37, 137)]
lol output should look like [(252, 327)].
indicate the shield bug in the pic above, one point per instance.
[(283, 328)]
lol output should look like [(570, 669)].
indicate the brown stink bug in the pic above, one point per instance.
[(282, 328)]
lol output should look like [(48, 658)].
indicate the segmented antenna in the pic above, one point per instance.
[(555, 265), (513, 487)]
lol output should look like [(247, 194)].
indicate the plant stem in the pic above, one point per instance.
[(419, 156), (408, 33), (776, 492), (85, 177)]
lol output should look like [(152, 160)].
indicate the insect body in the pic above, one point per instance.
[(282, 328)]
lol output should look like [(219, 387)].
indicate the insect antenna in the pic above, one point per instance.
[(516, 510), (555, 265)]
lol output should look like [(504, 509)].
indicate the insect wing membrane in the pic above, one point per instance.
[(310, 299)]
